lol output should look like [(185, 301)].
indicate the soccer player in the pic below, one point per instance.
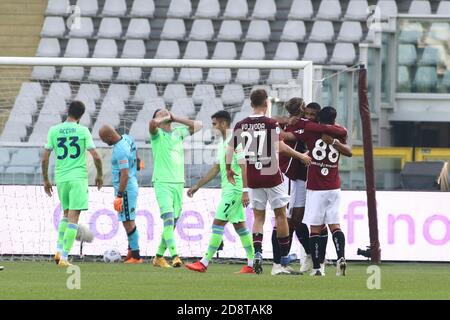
[(323, 189), (70, 142), (234, 198), (124, 164), (168, 176), (260, 138)]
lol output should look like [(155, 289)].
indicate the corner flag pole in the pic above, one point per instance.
[(364, 111)]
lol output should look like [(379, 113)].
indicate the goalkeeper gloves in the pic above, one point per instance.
[(118, 202)]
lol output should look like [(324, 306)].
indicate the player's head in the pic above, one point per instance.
[(258, 99), (327, 115), (295, 106), (312, 110), (76, 110), (108, 135), (161, 113), (221, 121)]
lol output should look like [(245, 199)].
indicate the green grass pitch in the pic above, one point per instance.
[(43, 280)]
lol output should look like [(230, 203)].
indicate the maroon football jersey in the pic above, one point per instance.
[(323, 173), (293, 168), (258, 136)]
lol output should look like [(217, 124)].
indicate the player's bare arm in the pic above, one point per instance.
[(303, 157), (47, 183), (204, 180), (228, 159), (287, 136), (194, 126), (343, 148), (245, 197), (99, 167)]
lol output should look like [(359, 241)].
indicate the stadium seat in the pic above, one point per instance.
[(329, 10), (264, 9), (24, 105), (14, 132), (190, 75), (208, 9), (388, 8), (224, 51), (351, 31), (253, 51), (83, 29), (420, 7), (114, 8), (287, 51), (301, 10), (425, 79), (22, 116), (71, 73), (173, 29), (233, 94), (38, 137), (202, 29), (174, 91), (322, 31), (219, 76), (316, 52), (144, 91), (86, 120), (407, 54), (179, 9), (404, 81), (162, 75), (434, 56), (236, 9), (151, 104), (112, 105), (142, 8), (183, 107), (110, 28), (439, 31), (90, 90), (139, 131), (278, 76), (4, 157), (258, 30), (43, 73), (205, 119), (411, 33), (89, 103), (129, 74), (88, 8), (167, 49), (26, 157), (343, 53), (138, 29), (247, 76), (105, 48), (45, 118), (57, 7), (100, 74), (60, 89), (77, 48), (54, 103), (48, 47), (202, 92), (247, 106), (133, 49), (30, 89), (357, 10), (230, 30), (294, 30), (53, 27), (443, 8), (118, 91), (196, 50)]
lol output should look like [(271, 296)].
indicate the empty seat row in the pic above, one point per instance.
[(414, 33), (425, 79), (432, 55)]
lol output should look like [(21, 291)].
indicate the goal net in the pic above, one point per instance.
[(124, 93)]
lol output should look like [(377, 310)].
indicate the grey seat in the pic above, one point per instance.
[(219, 75), (404, 81), (330, 10), (167, 49), (190, 75), (301, 10), (407, 54), (173, 29), (202, 92), (443, 8), (233, 94), (420, 7), (322, 31), (138, 29), (105, 48), (202, 29), (129, 74), (247, 76), (119, 91), (316, 52), (89, 8), (224, 51), (253, 51), (142, 8), (196, 50), (426, 79), (183, 106), (230, 30), (357, 10), (411, 33), (351, 31), (100, 74), (179, 9), (83, 29), (30, 89), (236, 9), (89, 103), (294, 30), (21, 116), (277, 76), (90, 90), (112, 105), (145, 91), (264, 9), (139, 131), (208, 9), (14, 132), (26, 157), (210, 106), (162, 75), (54, 104), (43, 73), (110, 28), (114, 8), (388, 8), (25, 104), (77, 48), (433, 55), (57, 7), (60, 89), (287, 51), (48, 47), (439, 31), (343, 53), (152, 104), (174, 91), (258, 30), (53, 27), (133, 49)]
